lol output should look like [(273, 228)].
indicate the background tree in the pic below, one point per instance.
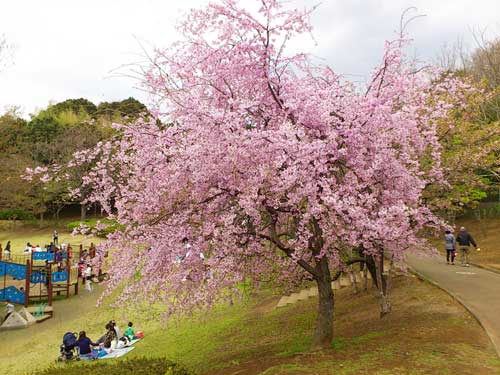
[(273, 166), (129, 110), (14, 159), (49, 140), (471, 148)]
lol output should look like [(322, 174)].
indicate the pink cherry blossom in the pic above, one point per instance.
[(271, 166)]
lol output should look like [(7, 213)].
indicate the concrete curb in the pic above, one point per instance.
[(487, 268), (459, 300)]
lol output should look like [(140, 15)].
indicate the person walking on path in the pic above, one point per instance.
[(450, 246), (464, 240)]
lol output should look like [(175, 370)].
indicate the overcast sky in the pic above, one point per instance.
[(69, 49)]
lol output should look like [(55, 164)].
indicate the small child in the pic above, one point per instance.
[(129, 332), (87, 273)]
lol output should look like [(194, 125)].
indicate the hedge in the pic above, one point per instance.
[(91, 223), (16, 214), (138, 366)]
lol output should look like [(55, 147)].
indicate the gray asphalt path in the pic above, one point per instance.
[(476, 288)]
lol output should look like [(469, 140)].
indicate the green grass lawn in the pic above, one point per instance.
[(427, 333), (19, 234)]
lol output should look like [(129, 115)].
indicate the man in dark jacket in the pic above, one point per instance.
[(464, 240)]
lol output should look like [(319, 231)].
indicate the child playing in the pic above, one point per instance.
[(129, 332)]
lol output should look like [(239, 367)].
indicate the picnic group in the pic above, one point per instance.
[(110, 342), (59, 250)]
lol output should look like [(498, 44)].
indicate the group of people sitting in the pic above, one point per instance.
[(111, 340), (46, 248)]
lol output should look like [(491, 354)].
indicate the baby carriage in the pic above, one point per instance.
[(69, 350)]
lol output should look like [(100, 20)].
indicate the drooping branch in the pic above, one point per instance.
[(350, 262)]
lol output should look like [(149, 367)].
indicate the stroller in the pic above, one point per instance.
[(69, 350)]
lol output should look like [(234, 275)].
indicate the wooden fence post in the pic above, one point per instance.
[(27, 283), (68, 269), (49, 287)]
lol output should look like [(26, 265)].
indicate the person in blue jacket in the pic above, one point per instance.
[(450, 245), (85, 344)]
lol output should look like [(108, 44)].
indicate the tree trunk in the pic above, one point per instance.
[(352, 275), (40, 221), (370, 265), (323, 335), (365, 277), (372, 268), (58, 212), (83, 211), (385, 303)]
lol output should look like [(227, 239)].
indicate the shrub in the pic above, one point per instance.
[(16, 214), (137, 366), (111, 226)]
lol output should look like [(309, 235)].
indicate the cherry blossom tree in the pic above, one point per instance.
[(272, 166)]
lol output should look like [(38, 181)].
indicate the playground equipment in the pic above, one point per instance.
[(39, 271), (38, 276)]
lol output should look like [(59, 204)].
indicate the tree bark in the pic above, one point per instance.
[(323, 335), (385, 303), (370, 265), (372, 268), (57, 212), (83, 211), (40, 221)]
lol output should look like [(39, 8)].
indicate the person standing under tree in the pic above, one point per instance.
[(55, 237), (450, 246), (464, 240), (7, 251), (87, 273)]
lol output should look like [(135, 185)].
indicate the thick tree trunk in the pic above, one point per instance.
[(40, 221), (372, 268), (57, 213), (83, 211), (385, 303), (352, 276), (365, 278), (323, 335), (370, 265)]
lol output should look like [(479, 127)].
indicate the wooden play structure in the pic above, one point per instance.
[(35, 278)]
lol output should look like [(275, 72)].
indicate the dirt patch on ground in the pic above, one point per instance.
[(427, 333)]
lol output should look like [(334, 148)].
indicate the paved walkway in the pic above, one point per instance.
[(476, 288)]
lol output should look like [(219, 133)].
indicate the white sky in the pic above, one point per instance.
[(69, 49)]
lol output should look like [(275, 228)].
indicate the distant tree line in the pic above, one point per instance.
[(51, 137), (471, 149)]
